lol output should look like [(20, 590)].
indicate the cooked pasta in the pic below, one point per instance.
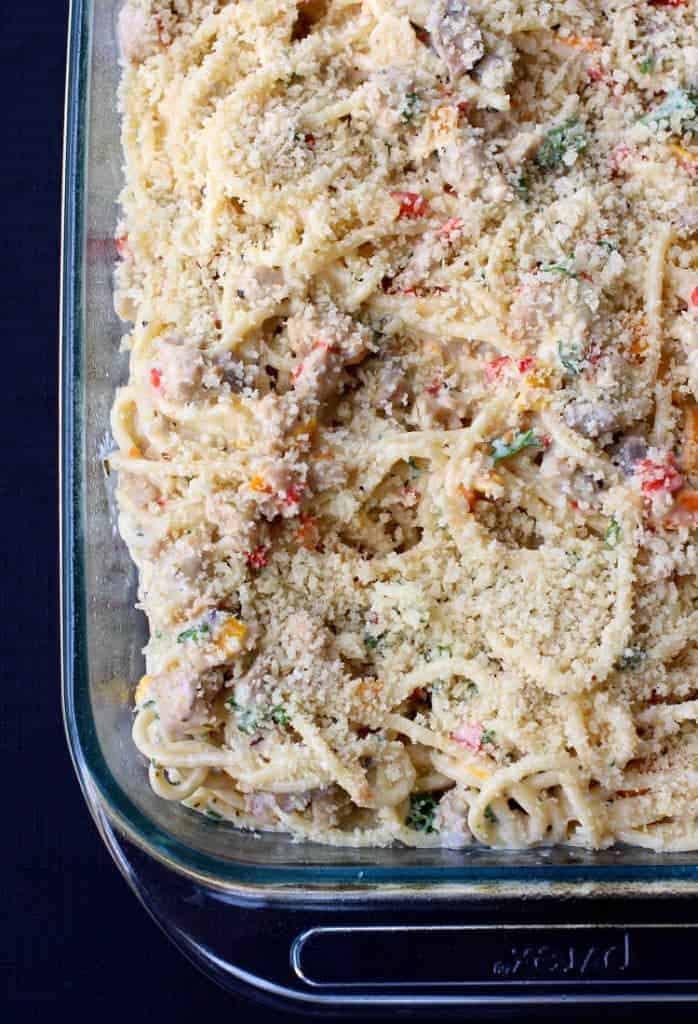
[(408, 455)]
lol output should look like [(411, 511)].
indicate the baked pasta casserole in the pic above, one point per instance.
[(408, 455)]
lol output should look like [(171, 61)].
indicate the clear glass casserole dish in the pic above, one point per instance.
[(338, 924)]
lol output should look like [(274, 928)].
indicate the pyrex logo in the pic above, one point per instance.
[(581, 959)]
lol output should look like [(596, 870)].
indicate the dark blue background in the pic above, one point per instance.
[(72, 937)]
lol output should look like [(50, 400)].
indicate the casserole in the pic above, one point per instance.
[(336, 913)]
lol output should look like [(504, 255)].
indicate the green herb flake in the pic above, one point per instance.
[(489, 736), (490, 815), (213, 815), (613, 532), (646, 65), (522, 188), (246, 717), (525, 439), (411, 107), (194, 633), (422, 810), (559, 141), (632, 657), (371, 641), (279, 715), (608, 245), (570, 359), (565, 269)]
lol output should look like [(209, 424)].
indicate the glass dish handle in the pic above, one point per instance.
[(351, 956)]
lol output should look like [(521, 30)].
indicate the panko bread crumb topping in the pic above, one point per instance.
[(408, 454)]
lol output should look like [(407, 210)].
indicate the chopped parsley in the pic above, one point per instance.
[(213, 815), (490, 815), (646, 65), (559, 141), (608, 245), (522, 188), (279, 715), (246, 717), (249, 719), (570, 359), (612, 533), (560, 268), (411, 107), (421, 813), (371, 641), (503, 450), (632, 657), (194, 633), (489, 736)]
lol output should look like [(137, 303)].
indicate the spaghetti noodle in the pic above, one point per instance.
[(407, 458)]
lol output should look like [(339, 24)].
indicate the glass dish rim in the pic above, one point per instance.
[(98, 784)]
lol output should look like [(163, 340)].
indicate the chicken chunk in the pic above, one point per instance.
[(451, 820), (184, 699), (591, 418), (178, 369), (455, 35), (324, 346)]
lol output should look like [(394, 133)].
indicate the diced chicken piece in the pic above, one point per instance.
[(391, 382), (455, 35), (263, 806), (178, 577), (137, 490), (317, 374), (393, 42), (466, 169), (258, 284), (178, 369), (324, 346), (329, 806), (275, 419), (250, 688), (224, 511), (277, 487), (184, 699), (495, 71), (451, 819), (591, 418), (385, 97), (440, 406)]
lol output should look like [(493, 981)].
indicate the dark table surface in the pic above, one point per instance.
[(72, 937)]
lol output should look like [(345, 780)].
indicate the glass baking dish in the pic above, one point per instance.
[(338, 924)]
